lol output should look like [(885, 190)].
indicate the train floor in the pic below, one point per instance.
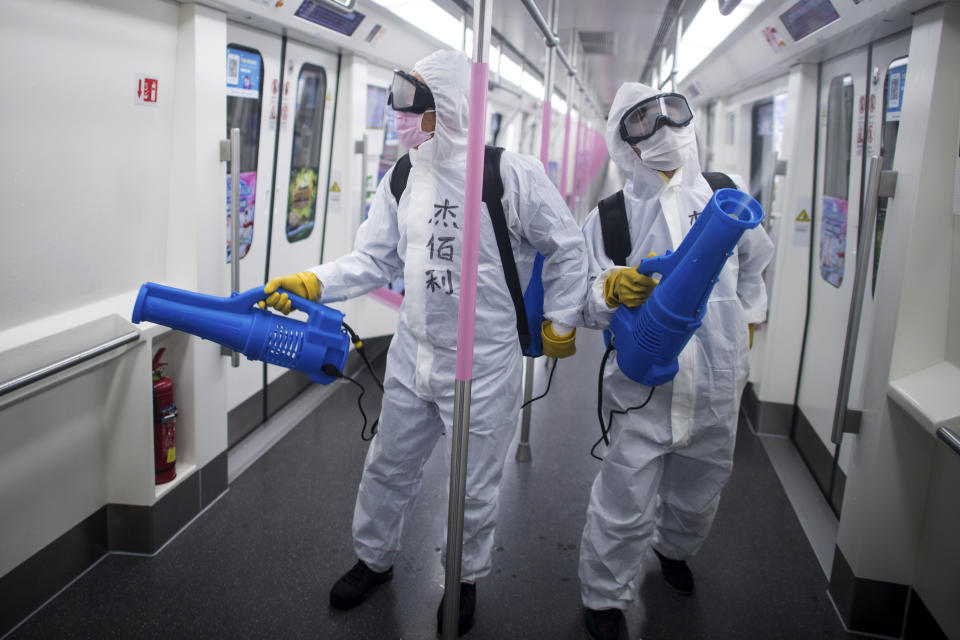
[(260, 561)]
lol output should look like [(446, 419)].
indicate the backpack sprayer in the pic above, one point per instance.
[(317, 347), (649, 338)]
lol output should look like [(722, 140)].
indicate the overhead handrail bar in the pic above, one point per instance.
[(61, 365), (554, 42), (951, 438)]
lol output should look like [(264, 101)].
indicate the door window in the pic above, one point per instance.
[(761, 148), (244, 96), (305, 157), (836, 179), (892, 103)]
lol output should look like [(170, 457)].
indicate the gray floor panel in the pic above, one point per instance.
[(260, 562)]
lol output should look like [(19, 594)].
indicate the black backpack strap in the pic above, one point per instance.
[(614, 228), (718, 180), (492, 194), (398, 179)]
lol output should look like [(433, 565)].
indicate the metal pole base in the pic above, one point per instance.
[(523, 452)]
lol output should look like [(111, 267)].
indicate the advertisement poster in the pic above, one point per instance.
[(248, 195), (896, 80), (243, 74), (833, 240), (301, 210)]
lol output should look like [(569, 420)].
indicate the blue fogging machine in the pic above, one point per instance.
[(649, 338), (237, 324)]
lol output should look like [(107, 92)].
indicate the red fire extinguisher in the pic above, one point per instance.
[(164, 423)]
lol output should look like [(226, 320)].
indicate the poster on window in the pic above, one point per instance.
[(896, 81), (248, 195), (243, 73), (302, 201), (833, 239)]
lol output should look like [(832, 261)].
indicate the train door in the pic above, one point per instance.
[(252, 70), (305, 122), (850, 120), (285, 121), (887, 84)]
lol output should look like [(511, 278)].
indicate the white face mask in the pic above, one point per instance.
[(666, 149)]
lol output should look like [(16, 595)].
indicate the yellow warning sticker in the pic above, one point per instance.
[(335, 188), (803, 217), (171, 455)]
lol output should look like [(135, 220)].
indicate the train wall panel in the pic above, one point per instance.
[(84, 185), (889, 474)]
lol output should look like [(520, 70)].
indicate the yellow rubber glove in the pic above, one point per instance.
[(626, 286), (304, 284), (555, 346), (751, 327)]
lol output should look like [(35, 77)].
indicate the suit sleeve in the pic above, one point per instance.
[(374, 260), (549, 227), (754, 252)]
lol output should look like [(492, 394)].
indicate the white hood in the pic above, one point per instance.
[(642, 178), (447, 74)]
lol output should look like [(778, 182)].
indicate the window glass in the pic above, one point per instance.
[(244, 95), (761, 149), (892, 98), (305, 157), (836, 180)]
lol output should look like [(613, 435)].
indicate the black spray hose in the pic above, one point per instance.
[(331, 371), (605, 426), (553, 367), (358, 345)]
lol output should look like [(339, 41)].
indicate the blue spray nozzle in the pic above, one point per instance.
[(238, 324), (649, 338)]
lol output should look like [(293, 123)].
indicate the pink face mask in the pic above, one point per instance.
[(408, 129)]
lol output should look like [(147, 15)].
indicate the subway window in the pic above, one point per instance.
[(836, 179), (305, 157), (244, 98)]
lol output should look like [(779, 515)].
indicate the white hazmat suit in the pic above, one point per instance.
[(661, 478), (421, 240)]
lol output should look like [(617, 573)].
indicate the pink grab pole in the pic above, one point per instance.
[(545, 137), (476, 132), (566, 149), (577, 168), (469, 255)]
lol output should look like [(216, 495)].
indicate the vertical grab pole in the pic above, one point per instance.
[(234, 222), (523, 447), (577, 168), (476, 135), (571, 86)]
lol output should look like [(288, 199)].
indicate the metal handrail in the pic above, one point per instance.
[(868, 219), (951, 438), (553, 42), (61, 365)]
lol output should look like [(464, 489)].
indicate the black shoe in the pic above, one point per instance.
[(468, 605), (354, 586), (676, 573), (605, 624)]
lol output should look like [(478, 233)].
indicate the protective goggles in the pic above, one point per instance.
[(409, 94), (644, 118)]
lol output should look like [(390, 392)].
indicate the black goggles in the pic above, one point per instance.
[(409, 94), (644, 118)]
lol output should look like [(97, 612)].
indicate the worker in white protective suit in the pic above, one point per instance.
[(420, 239), (660, 481)]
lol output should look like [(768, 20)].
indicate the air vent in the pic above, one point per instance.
[(602, 43)]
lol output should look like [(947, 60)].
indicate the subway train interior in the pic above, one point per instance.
[(162, 478)]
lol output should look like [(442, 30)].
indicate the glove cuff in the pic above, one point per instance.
[(555, 346)]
